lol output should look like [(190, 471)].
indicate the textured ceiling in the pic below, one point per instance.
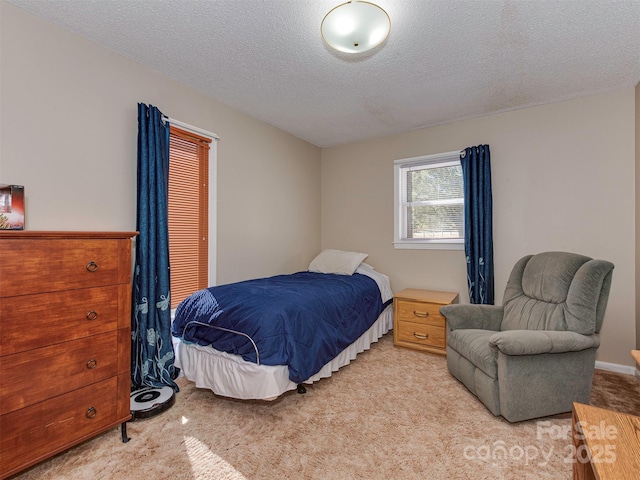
[(444, 60)]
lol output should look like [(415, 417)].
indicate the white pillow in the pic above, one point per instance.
[(337, 261)]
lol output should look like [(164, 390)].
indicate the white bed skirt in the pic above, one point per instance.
[(231, 376)]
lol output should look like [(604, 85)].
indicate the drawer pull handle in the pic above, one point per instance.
[(92, 315), (420, 314), (91, 364), (92, 266), (91, 413), (421, 337)]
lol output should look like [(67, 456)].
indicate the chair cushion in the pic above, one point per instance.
[(537, 291), (548, 276), (474, 345), (525, 313)]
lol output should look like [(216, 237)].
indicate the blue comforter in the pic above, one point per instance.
[(301, 320)]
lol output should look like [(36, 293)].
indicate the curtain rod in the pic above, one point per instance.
[(201, 131)]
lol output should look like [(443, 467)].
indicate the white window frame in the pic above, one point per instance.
[(399, 238)]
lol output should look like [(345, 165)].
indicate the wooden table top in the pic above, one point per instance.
[(613, 439), (431, 296)]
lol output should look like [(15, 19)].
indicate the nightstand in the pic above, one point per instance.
[(417, 322)]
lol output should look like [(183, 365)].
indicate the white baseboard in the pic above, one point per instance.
[(616, 367), (637, 374)]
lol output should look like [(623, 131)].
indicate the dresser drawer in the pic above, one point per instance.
[(37, 266), (419, 312), (34, 321), (33, 433), (32, 376), (421, 334)]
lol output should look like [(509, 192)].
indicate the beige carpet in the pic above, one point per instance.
[(391, 414)]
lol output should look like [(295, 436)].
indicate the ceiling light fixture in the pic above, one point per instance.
[(355, 27)]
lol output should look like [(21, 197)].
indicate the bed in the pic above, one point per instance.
[(260, 338)]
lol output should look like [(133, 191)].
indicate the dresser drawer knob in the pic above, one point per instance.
[(91, 364), (421, 314), (91, 413), (92, 315), (420, 336), (92, 266)]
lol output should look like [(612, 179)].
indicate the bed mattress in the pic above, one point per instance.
[(231, 376)]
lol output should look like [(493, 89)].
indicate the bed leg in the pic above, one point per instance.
[(301, 389), (123, 430)]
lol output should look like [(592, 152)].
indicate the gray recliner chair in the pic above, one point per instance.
[(535, 355)]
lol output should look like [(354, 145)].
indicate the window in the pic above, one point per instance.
[(188, 213), (429, 209)]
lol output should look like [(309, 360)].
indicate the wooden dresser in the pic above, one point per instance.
[(65, 336), (417, 322)]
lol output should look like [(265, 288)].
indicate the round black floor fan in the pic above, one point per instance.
[(148, 402)]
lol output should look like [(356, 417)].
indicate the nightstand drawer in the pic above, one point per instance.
[(420, 312), (421, 334)]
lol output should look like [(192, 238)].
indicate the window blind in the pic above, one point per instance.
[(434, 202), (188, 213)]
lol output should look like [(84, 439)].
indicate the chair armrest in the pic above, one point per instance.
[(534, 342), (485, 317)]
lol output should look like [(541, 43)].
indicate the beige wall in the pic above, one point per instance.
[(563, 173), (563, 179), (68, 134)]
